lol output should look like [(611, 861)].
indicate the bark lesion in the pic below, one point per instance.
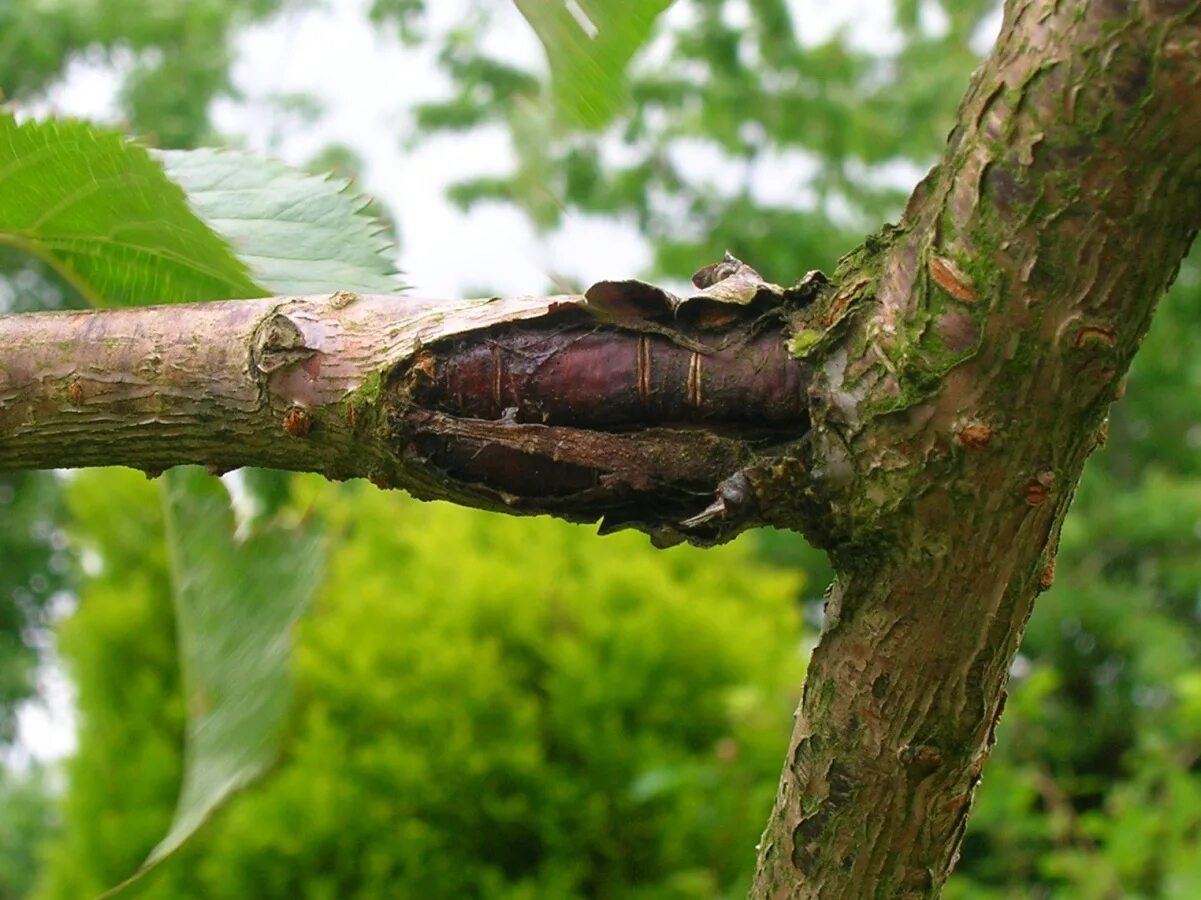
[(634, 407)]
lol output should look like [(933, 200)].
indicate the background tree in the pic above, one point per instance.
[(1105, 672), (507, 724)]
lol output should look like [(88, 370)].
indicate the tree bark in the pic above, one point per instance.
[(627, 405), (951, 423), (925, 417)]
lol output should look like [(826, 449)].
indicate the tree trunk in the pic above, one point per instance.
[(925, 417), (950, 426)]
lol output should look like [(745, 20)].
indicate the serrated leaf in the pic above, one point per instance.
[(100, 210), (236, 601), (589, 45), (299, 233)]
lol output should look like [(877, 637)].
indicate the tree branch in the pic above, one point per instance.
[(628, 404)]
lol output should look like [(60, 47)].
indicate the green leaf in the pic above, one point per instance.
[(99, 210), (235, 604), (236, 601), (589, 44), (299, 233)]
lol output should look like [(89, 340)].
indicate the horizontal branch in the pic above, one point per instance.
[(212, 383), (627, 404)]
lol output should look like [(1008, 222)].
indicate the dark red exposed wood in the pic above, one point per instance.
[(602, 377), (641, 420)]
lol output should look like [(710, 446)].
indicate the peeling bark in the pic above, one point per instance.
[(627, 405)]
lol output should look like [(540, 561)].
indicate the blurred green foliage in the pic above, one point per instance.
[(512, 691), (487, 708), (35, 569), (26, 815), (175, 57), (742, 130)]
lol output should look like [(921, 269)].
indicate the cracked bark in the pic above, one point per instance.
[(628, 405), (925, 417)]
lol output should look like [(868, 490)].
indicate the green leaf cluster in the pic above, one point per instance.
[(486, 707), (86, 216), (299, 234), (102, 214)]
